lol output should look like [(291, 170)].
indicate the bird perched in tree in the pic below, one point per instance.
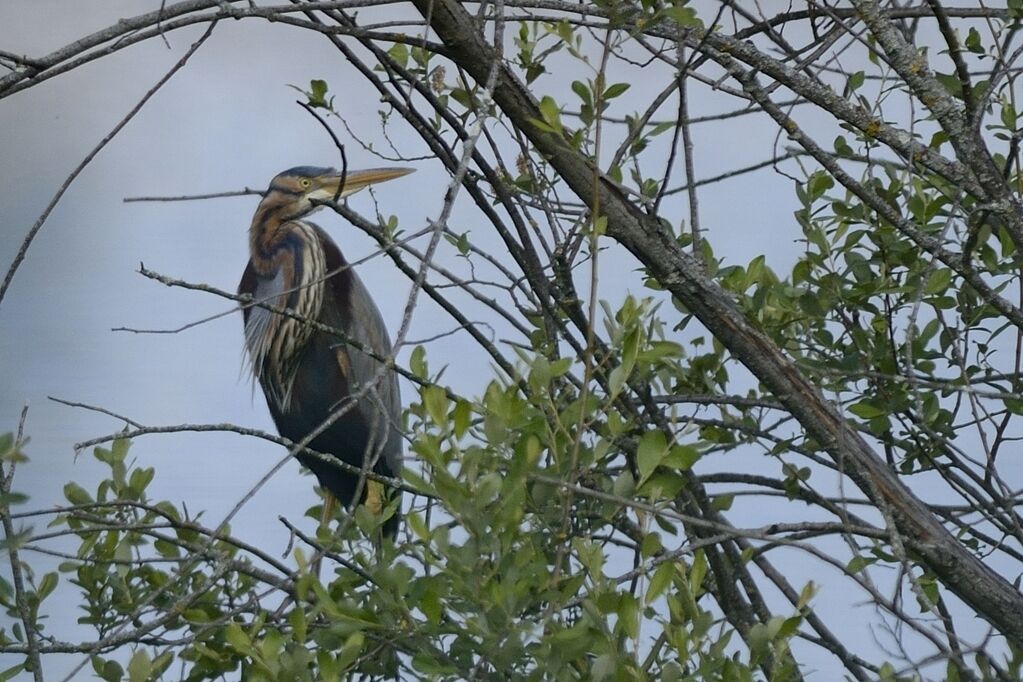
[(308, 374)]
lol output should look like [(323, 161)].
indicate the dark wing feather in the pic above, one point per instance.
[(247, 286), (360, 320)]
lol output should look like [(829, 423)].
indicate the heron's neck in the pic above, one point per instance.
[(269, 228)]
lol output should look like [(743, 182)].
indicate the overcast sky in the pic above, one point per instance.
[(227, 121)]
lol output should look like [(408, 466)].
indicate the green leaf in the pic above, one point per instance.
[(461, 417), (8, 499), (139, 666), (119, 449), (1014, 405), (551, 113), (11, 672), (318, 94), (930, 594), (10, 451), (15, 541), (653, 448), (122, 553), (855, 81), (429, 665), (858, 563), (75, 494), (351, 650), (951, 83), (399, 53), (417, 363), (624, 485), (616, 380), (973, 42), (697, 572), (682, 457), (539, 374), (938, 281), (683, 16), (160, 665), (806, 594), (817, 184), (722, 502), (140, 480), (46, 586), (237, 638), (580, 89), (560, 367), (628, 615), (435, 400), (603, 668), (651, 545), (1008, 115), (867, 410), (195, 616), (111, 671), (659, 582), (630, 349), (299, 625), (615, 90), (590, 554)]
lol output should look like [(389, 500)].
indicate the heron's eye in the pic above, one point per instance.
[(304, 183)]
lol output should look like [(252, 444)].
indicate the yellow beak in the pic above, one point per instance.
[(356, 180)]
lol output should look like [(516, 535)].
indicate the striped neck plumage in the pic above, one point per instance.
[(292, 264), (268, 229)]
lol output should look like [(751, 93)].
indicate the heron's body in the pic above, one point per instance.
[(309, 375)]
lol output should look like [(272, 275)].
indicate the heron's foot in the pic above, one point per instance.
[(329, 502), (375, 499)]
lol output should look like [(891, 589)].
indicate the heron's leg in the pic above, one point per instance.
[(375, 501), (328, 508), (328, 513), (375, 497)]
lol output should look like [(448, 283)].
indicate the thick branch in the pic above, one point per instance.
[(987, 592)]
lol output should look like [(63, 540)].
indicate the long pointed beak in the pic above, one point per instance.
[(356, 180)]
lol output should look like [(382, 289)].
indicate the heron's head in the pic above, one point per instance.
[(295, 191)]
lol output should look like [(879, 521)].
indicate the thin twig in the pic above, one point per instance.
[(247, 192), (337, 143), (142, 430), (325, 552), (27, 241), (17, 576)]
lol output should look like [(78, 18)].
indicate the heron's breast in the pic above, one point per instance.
[(276, 340)]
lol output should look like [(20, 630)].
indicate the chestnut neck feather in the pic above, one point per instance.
[(270, 226), (289, 262)]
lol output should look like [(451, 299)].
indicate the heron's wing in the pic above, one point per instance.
[(247, 286), (258, 320), (360, 320)]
